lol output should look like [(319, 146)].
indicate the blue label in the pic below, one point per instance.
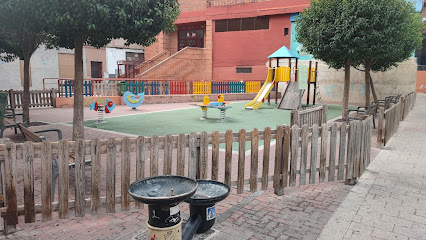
[(211, 213)]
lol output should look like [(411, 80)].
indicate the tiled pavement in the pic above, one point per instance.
[(389, 201), (300, 214)]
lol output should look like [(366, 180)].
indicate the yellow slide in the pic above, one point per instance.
[(263, 93)]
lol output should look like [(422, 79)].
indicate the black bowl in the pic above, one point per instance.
[(209, 192), (158, 190)]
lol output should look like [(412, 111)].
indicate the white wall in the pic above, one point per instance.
[(44, 64), (117, 54)]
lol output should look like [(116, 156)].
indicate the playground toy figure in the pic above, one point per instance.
[(220, 104), (109, 106), (133, 100)]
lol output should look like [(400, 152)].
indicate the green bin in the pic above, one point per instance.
[(121, 88)]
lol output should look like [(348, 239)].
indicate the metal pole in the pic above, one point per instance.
[(309, 80)]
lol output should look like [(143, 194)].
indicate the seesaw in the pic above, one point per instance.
[(220, 104)]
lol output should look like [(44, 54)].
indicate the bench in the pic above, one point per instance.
[(363, 113), (9, 120), (34, 136)]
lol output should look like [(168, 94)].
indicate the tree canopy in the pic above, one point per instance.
[(97, 22), (375, 33), (22, 24)]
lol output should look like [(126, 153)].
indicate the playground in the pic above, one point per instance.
[(222, 115), (187, 120)]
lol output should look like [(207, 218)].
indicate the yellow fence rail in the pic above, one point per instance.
[(253, 86), (201, 87)]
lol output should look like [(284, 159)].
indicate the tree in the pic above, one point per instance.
[(389, 32), (375, 33), (21, 33), (326, 30), (96, 22)]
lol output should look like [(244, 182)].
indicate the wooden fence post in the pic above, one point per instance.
[(303, 154), (126, 152), (80, 178), (401, 108), (324, 113), (349, 180), (332, 157), (380, 127), (29, 204), (154, 155), (46, 181), (63, 179), (11, 218), (294, 119), (314, 151), (241, 160), (53, 97), (293, 158), (342, 150), (266, 152), (254, 159), (140, 162), (228, 157), (278, 190), (215, 155), (181, 147), (168, 150), (192, 161), (110, 175), (323, 154), (204, 152)]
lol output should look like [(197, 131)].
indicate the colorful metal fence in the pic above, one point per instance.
[(92, 87)]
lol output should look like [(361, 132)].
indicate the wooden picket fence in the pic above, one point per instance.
[(389, 120), (309, 115), (38, 98), (291, 156)]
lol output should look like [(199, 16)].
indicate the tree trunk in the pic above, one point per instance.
[(346, 89), (367, 84), (78, 125), (372, 89), (26, 96)]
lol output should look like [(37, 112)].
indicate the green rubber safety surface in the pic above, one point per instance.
[(188, 120)]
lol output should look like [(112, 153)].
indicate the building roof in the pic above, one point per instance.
[(283, 52)]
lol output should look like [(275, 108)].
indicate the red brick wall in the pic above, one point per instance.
[(248, 49), (189, 64), (192, 5), (154, 48)]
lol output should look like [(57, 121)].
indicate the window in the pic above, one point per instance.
[(234, 24), (285, 31), (96, 69), (244, 70), (221, 25), (247, 24), (242, 24), (262, 23)]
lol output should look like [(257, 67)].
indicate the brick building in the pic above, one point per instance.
[(227, 39)]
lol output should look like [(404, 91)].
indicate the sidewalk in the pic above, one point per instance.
[(389, 201)]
